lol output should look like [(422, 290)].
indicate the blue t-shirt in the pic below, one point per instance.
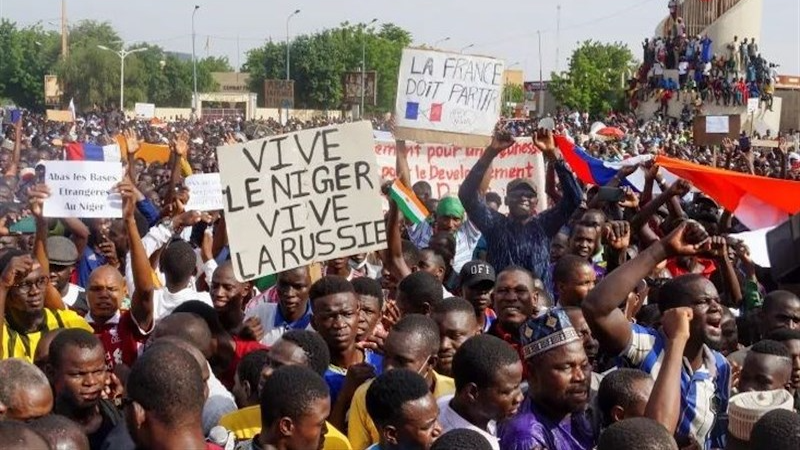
[(335, 375)]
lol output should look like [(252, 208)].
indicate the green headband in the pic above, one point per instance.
[(450, 207)]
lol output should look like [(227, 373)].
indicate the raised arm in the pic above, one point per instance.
[(469, 193), (601, 307), (395, 261), (142, 296), (401, 163), (17, 269), (553, 219), (664, 405), (13, 168), (719, 249), (36, 196), (677, 189)]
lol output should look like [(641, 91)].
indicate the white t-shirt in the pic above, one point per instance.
[(450, 420), (266, 314), (164, 301), (683, 68), (73, 290)]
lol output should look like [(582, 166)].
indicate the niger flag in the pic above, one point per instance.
[(758, 202)]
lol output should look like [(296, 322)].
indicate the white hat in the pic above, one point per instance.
[(746, 408)]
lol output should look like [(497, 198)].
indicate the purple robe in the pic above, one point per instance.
[(530, 430)]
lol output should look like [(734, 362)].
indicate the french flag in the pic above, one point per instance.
[(595, 171), (83, 151)]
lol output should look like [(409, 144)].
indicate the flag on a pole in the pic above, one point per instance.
[(758, 202), (407, 201)]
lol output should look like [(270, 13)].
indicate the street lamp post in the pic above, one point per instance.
[(194, 66), (436, 44), (463, 49), (288, 58), (122, 53), (364, 68)]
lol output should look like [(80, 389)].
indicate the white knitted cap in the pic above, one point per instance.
[(746, 408)]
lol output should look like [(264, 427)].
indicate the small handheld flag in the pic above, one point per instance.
[(407, 201)]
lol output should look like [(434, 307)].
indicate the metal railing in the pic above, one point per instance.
[(699, 14)]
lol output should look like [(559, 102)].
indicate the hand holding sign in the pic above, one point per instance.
[(36, 197), (302, 197)]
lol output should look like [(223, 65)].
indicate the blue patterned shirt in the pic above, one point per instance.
[(511, 242)]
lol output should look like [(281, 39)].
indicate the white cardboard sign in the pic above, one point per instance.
[(302, 197), (449, 92), (205, 192), (82, 189)]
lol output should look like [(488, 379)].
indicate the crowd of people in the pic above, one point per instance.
[(675, 63), (637, 324)]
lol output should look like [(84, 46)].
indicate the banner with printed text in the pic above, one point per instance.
[(446, 166), (302, 197), (448, 97)]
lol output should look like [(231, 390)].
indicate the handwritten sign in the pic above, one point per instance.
[(444, 167), (279, 93), (303, 197), (448, 97), (82, 188), (205, 192), (145, 110)]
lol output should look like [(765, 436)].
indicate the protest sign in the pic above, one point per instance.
[(448, 97), (279, 93), (82, 188), (55, 115), (205, 192), (444, 167), (145, 110), (302, 197)]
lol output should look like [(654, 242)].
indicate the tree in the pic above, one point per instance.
[(593, 81), (26, 55), (319, 62)]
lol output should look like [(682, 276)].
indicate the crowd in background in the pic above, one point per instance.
[(610, 324)]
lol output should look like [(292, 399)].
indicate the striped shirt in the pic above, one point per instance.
[(467, 237), (704, 392), (512, 242)]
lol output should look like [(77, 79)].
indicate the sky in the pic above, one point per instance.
[(504, 29)]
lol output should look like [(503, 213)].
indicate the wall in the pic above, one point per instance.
[(260, 113), (301, 114), (790, 119)]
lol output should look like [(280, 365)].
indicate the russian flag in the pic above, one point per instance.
[(77, 151), (591, 170), (758, 202)]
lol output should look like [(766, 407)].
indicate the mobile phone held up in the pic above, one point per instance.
[(610, 194)]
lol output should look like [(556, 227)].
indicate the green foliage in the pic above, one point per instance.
[(512, 93), (319, 62), (593, 81), (26, 56), (90, 75)]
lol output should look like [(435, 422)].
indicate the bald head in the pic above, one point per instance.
[(17, 435), (61, 433), (187, 326), (107, 271), (24, 390)]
